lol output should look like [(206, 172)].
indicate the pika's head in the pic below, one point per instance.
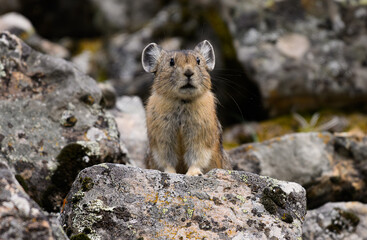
[(180, 74)]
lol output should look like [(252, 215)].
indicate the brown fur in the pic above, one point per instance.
[(183, 130)]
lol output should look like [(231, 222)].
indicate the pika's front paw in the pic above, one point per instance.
[(194, 171)]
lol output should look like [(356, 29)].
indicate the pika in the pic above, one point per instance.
[(184, 133)]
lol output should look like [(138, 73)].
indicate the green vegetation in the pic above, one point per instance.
[(80, 236), (324, 120)]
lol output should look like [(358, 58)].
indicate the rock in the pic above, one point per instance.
[(21, 217), (301, 157), (293, 45), (51, 125), (323, 121), (337, 221), (111, 201), (332, 167), (239, 134), (303, 55), (109, 96), (19, 25), (126, 15), (130, 118), (16, 24)]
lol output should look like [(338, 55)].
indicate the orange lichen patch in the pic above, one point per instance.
[(325, 138), (170, 230), (248, 147), (278, 139), (63, 205), (153, 197), (231, 232), (21, 84)]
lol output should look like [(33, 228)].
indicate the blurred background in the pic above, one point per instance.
[(282, 66)]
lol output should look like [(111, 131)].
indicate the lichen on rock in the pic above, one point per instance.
[(51, 123), (132, 203)]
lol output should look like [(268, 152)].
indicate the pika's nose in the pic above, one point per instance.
[(188, 73)]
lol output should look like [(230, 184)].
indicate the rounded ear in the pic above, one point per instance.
[(206, 49), (150, 56)]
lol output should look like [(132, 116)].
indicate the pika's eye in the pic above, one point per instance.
[(198, 60), (172, 62)]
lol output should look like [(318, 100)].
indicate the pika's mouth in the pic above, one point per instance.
[(188, 86)]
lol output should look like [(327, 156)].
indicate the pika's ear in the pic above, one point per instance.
[(206, 49), (150, 56)]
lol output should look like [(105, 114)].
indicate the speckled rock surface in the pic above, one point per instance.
[(332, 167), (21, 217), (336, 221), (51, 125), (112, 201), (296, 157), (303, 55)]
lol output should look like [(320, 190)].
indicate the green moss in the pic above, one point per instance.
[(70, 162), (274, 201), (87, 99), (87, 184), (350, 217), (269, 205), (230, 145), (22, 182), (276, 127), (287, 218), (277, 195), (343, 221), (80, 236)]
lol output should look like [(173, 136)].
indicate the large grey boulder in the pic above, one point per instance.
[(336, 221), (301, 157), (51, 123), (112, 201), (332, 167), (21, 217)]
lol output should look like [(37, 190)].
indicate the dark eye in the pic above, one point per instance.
[(172, 62), (198, 60)]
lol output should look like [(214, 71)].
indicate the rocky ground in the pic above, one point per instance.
[(72, 149)]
